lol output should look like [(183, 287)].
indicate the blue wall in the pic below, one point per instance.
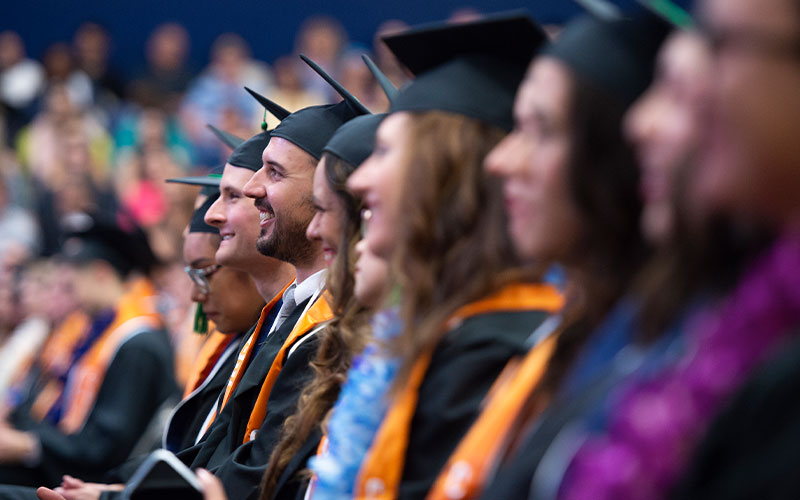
[(268, 25)]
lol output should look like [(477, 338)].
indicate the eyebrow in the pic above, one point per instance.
[(230, 189)]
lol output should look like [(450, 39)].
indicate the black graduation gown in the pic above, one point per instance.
[(241, 473), (752, 450), (190, 414), (188, 417), (139, 380), (227, 432), (463, 368)]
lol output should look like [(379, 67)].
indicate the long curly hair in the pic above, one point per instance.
[(454, 246), (342, 338)]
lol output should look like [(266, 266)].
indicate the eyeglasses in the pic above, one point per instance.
[(200, 276)]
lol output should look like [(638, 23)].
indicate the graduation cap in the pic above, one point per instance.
[(248, 154), (386, 85), (111, 237), (616, 54), (197, 224), (310, 128), (227, 138), (354, 140), (472, 69)]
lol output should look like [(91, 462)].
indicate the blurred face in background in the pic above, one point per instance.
[(371, 276), (666, 124), (231, 301), (752, 151), (378, 183), (533, 160), (167, 47), (59, 294)]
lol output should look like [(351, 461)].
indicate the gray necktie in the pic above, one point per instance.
[(287, 307)]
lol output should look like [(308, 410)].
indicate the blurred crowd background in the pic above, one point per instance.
[(92, 117)]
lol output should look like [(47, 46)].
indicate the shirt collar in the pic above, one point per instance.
[(309, 286)]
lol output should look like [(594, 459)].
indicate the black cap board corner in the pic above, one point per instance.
[(227, 138), (276, 109), (386, 85), (346, 95), (310, 128)]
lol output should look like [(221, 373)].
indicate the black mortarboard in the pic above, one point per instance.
[(472, 69), (354, 140), (227, 138), (310, 128), (248, 154), (113, 238), (198, 224), (617, 55), (386, 85)]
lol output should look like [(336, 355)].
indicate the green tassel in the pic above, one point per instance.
[(200, 320), (264, 121)]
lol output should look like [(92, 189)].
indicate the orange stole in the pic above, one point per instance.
[(134, 311), (319, 312), (54, 361), (382, 470), (247, 349), (212, 349), (467, 469)]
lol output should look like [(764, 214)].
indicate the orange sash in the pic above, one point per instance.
[(135, 311), (382, 470), (466, 471), (319, 312), (54, 361), (58, 349), (247, 349), (207, 358)]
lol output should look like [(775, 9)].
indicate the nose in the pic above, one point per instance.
[(215, 216), (502, 158), (638, 125), (198, 295), (255, 186), (312, 232)]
